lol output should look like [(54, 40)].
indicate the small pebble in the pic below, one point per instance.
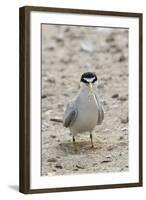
[(59, 37), (106, 130), (66, 59), (75, 169), (122, 98), (121, 138), (44, 96), (122, 58), (63, 83), (67, 29), (87, 47), (53, 136), (58, 166), (108, 156), (60, 105), (113, 45), (123, 143), (80, 167), (105, 161), (104, 102), (94, 164), (63, 76), (52, 160), (124, 120), (51, 46), (110, 39), (116, 95), (66, 94), (124, 129), (100, 86), (115, 106), (51, 80), (110, 148)]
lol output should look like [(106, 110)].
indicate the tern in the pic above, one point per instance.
[(85, 111)]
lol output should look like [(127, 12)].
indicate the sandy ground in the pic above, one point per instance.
[(67, 52)]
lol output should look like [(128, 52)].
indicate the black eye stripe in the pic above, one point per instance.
[(84, 81), (94, 80)]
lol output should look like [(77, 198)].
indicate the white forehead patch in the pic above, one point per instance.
[(90, 80)]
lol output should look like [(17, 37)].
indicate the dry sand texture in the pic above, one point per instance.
[(67, 52)]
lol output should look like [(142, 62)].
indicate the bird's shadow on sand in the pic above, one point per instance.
[(81, 147)]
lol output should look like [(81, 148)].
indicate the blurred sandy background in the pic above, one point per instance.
[(67, 52)]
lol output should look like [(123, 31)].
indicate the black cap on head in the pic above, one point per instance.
[(88, 77)]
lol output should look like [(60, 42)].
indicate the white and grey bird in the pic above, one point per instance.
[(85, 111)]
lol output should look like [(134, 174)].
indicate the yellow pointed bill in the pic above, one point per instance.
[(90, 86)]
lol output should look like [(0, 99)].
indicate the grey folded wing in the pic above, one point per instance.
[(70, 115), (100, 111)]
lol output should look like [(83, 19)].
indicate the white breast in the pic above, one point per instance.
[(87, 113)]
